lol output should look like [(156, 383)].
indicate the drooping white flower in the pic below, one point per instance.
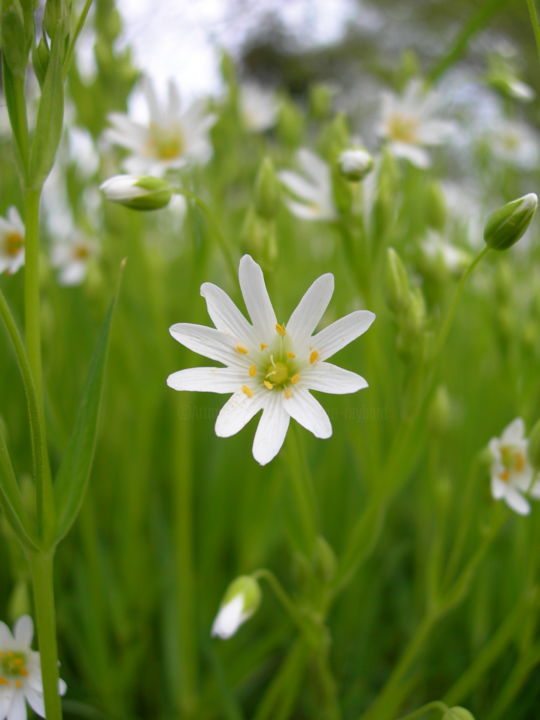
[(170, 138), (240, 602), (20, 672), (11, 242), (409, 123), (312, 186), (258, 107), (511, 472), (270, 366), (71, 257)]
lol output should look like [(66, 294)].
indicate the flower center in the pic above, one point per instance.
[(166, 143), (513, 460), (13, 243), (12, 666), (403, 128), (278, 373), (81, 252)]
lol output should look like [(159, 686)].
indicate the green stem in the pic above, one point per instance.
[(31, 286), (534, 22), (41, 566), (75, 34), (306, 531)]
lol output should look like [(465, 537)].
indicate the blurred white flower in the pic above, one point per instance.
[(437, 251), (312, 186), (270, 367), (513, 142), (71, 256), (140, 192), (20, 672), (258, 107), (11, 242), (511, 472), (409, 123), (171, 137)]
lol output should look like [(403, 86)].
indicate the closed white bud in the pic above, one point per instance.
[(240, 602), (355, 163), (140, 192)]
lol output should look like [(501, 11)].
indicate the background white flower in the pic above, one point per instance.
[(312, 186), (170, 138), (269, 366), (11, 242), (258, 107), (511, 472), (71, 257), (409, 123), (20, 672)]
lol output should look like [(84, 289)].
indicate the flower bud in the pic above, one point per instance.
[(355, 164), (534, 447), (40, 60), (267, 190), (457, 713), (505, 226), (397, 282), (440, 410), (239, 603), (436, 210), (137, 192), (13, 37), (325, 559)]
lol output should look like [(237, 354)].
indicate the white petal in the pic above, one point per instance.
[(229, 618), (535, 491), (414, 154), (308, 411), (24, 631), (236, 413), (514, 431), (6, 638), (498, 488), (517, 502), (342, 332), (6, 695), (35, 700), (329, 378), (256, 296), (311, 308), (299, 185), (225, 315), (207, 379), (315, 168), (206, 341), (17, 709), (62, 686), (309, 212), (271, 430)]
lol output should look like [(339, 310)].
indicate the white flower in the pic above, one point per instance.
[(258, 107), (437, 251), (515, 143), (241, 601), (408, 123), (511, 472), (20, 672), (71, 257), (171, 138), (11, 242), (312, 186), (269, 366)]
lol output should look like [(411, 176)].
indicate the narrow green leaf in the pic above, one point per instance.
[(74, 471), (50, 116)]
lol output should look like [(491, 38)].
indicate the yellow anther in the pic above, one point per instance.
[(295, 379), (504, 476), (519, 462), (280, 330), (253, 370), (241, 349), (288, 394), (268, 385), (18, 683), (3, 681), (313, 356), (291, 355), (247, 391), (263, 346)]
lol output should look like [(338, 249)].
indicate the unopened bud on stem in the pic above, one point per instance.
[(505, 226), (355, 163), (137, 192)]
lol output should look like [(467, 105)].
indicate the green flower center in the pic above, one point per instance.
[(512, 458), (166, 144), (403, 128), (12, 665)]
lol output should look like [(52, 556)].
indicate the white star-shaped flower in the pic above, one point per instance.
[(20, 672), (312, 186), (409, 123), (71, 257), (11, 242), (269, 366), (511, 472), (171, 137)]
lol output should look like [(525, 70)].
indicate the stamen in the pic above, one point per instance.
[(295, 378), (241, 349), (291, 355), (268, 385), (247, 391), (253, 370), (288, 393), (313, 356), (504, 475), (18, 683), (3, 681), (519, 462), (280, 330), (263, 346)]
